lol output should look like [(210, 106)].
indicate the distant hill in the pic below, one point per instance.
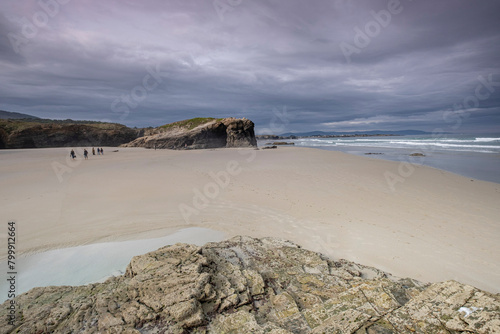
[(15, 115), (374, 132)]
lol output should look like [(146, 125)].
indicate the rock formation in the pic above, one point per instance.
[(195, 133), (247, 285), (49, 133), (199, 133)]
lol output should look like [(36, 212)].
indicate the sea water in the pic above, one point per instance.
[(474, 156), (95, 262)]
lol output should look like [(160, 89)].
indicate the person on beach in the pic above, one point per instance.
[(102, 152), (93, 151), (72, 154), (85, 154)]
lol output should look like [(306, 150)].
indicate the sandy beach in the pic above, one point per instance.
[(427, 224)]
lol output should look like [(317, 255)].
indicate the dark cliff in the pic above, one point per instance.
[(50, 133)]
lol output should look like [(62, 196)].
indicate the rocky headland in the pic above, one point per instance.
[(247, 285), (196, 133), (199, 133)]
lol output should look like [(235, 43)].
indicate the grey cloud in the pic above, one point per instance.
[(260, 57), (8, 33)]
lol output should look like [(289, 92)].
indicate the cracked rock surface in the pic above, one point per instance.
[(247, 285)]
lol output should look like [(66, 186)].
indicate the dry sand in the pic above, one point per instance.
[(434, 226)]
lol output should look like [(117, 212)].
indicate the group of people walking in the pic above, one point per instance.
[(100, 151)]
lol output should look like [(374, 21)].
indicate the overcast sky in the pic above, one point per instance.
[(290, 66)]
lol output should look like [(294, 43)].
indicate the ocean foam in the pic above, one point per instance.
[(471, 144), (487, 139)]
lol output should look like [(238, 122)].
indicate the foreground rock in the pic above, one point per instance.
[(247, 285), (199, 133)]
